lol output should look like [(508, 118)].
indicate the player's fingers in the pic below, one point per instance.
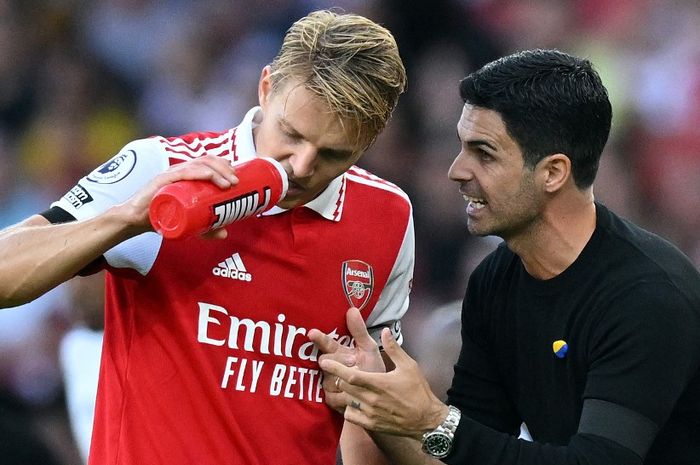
[(342, 355), (336, 400), (358, 330), (330, 383), (215, 162), (196, 173), (208, 168), (216, 234), (323, 341), (222, 167)]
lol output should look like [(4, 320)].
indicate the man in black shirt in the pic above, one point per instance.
[(580, 324)]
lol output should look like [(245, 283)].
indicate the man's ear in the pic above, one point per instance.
[(555, 171), (264, 86)]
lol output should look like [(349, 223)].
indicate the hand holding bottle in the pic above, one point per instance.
[(189, 207)]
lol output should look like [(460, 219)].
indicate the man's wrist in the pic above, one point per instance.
[(127, 219), (438, 441), (439, 417), (438, 413)]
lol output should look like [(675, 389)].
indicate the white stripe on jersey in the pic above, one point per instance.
[(364, 177), (198, 147)]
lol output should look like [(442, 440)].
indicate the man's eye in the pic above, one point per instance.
[(291, 135), (333, 155), (485, 156)]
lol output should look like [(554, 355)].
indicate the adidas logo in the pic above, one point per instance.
[(233, 268)]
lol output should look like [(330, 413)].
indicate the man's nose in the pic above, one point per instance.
[(460, 170), (303, 161)]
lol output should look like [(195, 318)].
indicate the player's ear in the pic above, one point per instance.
[(554, 171), (264, 86)]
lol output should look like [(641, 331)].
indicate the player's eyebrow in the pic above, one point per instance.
[(288, 127), (334, 152)]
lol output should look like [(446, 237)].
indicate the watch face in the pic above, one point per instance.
[(437, 444)]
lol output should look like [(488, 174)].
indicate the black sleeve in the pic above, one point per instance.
[(476, 444), (57, 215)]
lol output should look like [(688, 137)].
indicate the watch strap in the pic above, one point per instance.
[(438, 442), (452, 420)]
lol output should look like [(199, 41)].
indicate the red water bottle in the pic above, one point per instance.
[(186, 208)]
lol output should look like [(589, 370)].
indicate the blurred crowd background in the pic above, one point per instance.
[(79, 79)]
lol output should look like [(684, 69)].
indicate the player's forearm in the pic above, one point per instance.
[(357, 448), (402, 450), (36, 256)]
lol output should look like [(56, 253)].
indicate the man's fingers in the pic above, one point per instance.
[(348, 376), (333, 368), (358, 330), (353, 381), (392, 348)]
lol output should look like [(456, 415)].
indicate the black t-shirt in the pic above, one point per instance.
[(628, 309)]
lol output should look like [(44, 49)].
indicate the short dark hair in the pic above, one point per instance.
[(550, 102)]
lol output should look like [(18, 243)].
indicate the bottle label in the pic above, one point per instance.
[(242, 206)]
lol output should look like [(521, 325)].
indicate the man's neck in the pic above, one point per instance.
[(558, 239)]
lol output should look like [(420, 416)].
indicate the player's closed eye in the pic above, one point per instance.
[(335, 155), (292, 136)]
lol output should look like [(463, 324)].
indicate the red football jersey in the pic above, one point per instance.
[(205, 357)]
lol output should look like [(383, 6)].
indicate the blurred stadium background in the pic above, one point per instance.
[(78, 79)]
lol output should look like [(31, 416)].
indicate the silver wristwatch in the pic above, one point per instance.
[(438, 442)]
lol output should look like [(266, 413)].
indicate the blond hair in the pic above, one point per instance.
[(350, 62)]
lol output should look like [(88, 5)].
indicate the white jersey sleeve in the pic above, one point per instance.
[(393, 301), (113, 183)]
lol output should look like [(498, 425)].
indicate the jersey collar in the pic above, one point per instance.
[(328, 204)]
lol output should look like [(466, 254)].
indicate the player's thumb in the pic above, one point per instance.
[(358, 329)]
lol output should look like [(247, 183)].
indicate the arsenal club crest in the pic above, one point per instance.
[(358, 281)]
